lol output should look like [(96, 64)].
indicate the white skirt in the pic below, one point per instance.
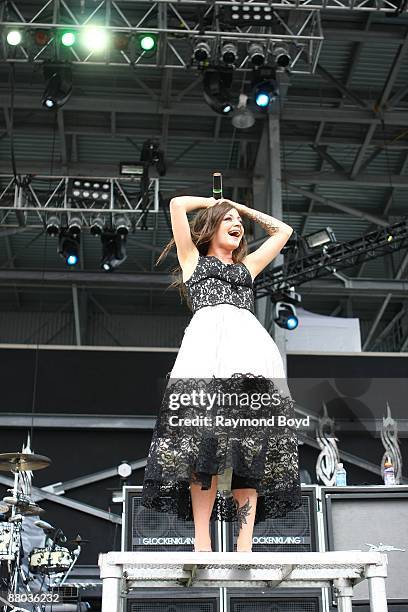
[(223, 340)]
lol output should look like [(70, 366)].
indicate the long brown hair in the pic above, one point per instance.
[(203, 227)]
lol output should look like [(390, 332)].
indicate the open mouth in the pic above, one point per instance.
[(236, 233)]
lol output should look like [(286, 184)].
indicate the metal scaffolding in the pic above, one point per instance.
[(28, 201), (178, 25)]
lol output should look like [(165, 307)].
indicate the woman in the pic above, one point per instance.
[(201, 470)]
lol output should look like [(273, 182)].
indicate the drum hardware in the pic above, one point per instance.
[(20, 504), (46, 561), (23, 505), (8, 541)]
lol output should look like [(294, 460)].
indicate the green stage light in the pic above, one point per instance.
[(68, 38), (94, 39), (14, 37), (147, 42)]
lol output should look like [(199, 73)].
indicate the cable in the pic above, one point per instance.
[(35, 381), (12, 152), (387, 159)]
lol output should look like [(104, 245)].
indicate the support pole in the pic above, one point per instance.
[(344, 593), (275, 206), (111, 580), (376, 575)]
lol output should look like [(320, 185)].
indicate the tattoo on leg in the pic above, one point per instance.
[(242, 513)]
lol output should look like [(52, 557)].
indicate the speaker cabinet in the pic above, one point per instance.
[(357, 518), (144, 529), (174, 600), (296, 532), (282, 600)]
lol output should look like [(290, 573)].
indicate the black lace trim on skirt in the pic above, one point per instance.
[(267, 457)]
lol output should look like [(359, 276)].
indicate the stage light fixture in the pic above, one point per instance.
[(121, 41), (264, 86), (202, 52), (74, 226), (42, 37), (282, 55), (262, 98), (146, 43), (135, 169), (97, 225), (58, 88), (152, 155), (122, 224), (243, 118), (14, 37), (113, 250), (53, 226), (217, 89), (229, 53), (94, 39), (320, 238), (256, 53), (244, 14), (68, 248), (91, 189), (284, 315), (68, 38)]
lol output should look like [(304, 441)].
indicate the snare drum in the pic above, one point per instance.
[(9, 540), (46, 561)]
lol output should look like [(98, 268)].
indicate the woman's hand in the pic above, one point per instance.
[(234, 204), (212, 202)]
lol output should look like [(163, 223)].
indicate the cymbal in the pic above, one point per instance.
[(22, 462), (4, 507)]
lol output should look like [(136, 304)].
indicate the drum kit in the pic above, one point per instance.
[(53, 562)]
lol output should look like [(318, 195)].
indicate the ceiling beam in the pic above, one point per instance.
[(111, 129), (231, 176), (335, 178), (125, 103), (387, 299), (381, 105), (354, 212)]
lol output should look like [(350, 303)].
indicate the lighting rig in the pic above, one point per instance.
[(240, 35), (310, 262), (67, 207)]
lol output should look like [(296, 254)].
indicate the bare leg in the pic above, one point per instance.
[(245, 500), (202, 502)]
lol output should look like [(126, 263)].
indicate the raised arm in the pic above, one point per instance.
[(278, 231), (179, 207)]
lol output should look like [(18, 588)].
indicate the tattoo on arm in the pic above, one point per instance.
[(268, 223), (242, 513)]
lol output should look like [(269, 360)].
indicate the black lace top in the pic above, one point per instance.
[(214, 282)]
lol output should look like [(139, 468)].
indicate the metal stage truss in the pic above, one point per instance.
[(335, 256), (178, 26), (30, 199), (123, 573)]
